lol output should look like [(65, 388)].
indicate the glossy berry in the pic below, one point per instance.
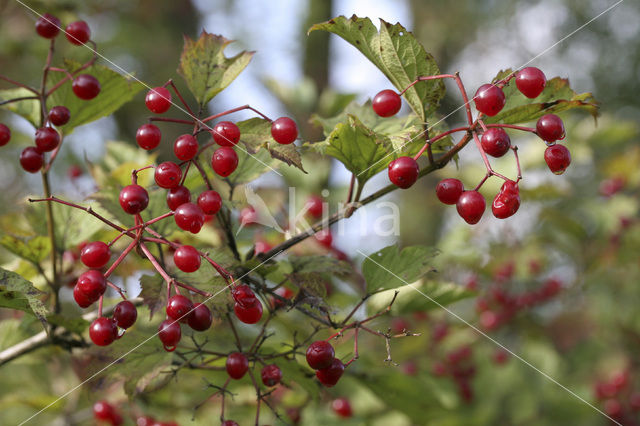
[(168, 175), (5, 134), (189, 217), (470, 206), (449, 190), (403, 172), (125, 314), (342, 407), (96, 254), (237, 365), (47, 139), (59, 115), (507, 201), (271, 375), (249, 314), (78, 33), (179, 307), (244, 296), (169, 333), (320, 354), (148, 136), (86, 86), (103, 331), (81, 299), (134, 199), (210, 202), (178, 196), (158, 100), (550, 128), (329, 376), (224, 161), (31, 159), (187, 258), (102, 410), (200, 318), (530, 81), (495, 142), (386, 103), (324, 237), (557, 158), (489, 99), (314, 206), (92, 283), (226, 133), (185, 147), (284, 130), (48, 26)]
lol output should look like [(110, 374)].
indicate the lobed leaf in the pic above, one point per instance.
[(256, 135), (392, 268), (34, 249), (18, 293)]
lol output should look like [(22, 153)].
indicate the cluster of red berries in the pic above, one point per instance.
[(494, 141), (106, 412), (322, 357), (460, 366), (618, 399)]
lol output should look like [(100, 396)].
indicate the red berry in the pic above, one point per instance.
[(81, 299), (177, 196), (495, 142), (185, 147), (224, 161), (125, 314), (148, 136), (329, 376), (31, 159), (613, 408), (261, 246), (5, 134), (386, 103), (59, 115), (229, 423), (78, 33), (103, 331), (530, 81), (95, 254), (86, 86), (48, 26), (324, 237), (179, 308), (449, 190), (168, 175), (342, 407), (201, 318), (187, 258), (320, 354), (489, 320), (158, 100), (226, 133), (237, 365), (507, 201), (145, 421), (92, 283), (102, 410), (403, 172), (314, 206), (210, 202), (134, 199), (471, 206), (557, 158), (47, 139), (284, 130), (283, 292), (169, 333), (271, 375), (489, 99), (244, 296), (500, 356), (550, 128), (249, 314), (189, 217)]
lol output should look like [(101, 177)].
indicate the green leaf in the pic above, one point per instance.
[(28, 109), (556, 97), (75, 325), (444, 293), (391, 268), (117, 163), (115, 91), (324, 264), (34, 249), (256, 135), (18, 293), (396, 53), (251, 166), (153, 293), (206, 69)]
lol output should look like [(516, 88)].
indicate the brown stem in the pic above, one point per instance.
[(23, 98), (16, 83)]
